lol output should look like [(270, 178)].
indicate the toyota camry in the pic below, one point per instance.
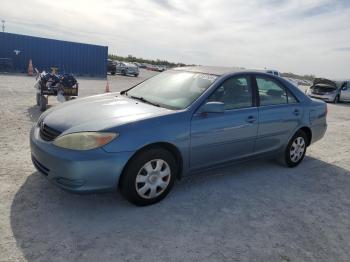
[(180, 121)]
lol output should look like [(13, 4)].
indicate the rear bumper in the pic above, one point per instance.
[(77, 171), (318, 132)]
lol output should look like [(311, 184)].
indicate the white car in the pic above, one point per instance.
[(329, 90), (273, 72), (125, 68)]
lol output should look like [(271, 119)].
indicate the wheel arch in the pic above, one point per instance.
[(166, 145), (308, 133)]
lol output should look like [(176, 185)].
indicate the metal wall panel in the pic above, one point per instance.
[(69, 57)]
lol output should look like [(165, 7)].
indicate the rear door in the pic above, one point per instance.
[(221, 137), (279, 114)]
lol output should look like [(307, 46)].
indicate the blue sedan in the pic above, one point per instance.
[(183, 120)]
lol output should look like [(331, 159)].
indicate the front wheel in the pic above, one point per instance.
[(149, 177), (296, 149), (336, 99)]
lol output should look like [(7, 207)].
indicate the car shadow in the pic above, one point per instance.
[(235, 212)]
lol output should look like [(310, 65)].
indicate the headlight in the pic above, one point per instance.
[(84, 140)]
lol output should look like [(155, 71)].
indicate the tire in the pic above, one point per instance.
[(43, 103), (123, 73), (336, 99), (38, 99), (141, 179), (296, 149), (112, 73), (136, 75)]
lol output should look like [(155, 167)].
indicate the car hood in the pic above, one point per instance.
[(323, 83), (99, 112)]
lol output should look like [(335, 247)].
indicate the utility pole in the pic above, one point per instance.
[(3, 25)]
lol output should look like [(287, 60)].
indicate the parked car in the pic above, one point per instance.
[(329, 90), (277, 73), (152, 67), (125, 68), (175, 123), (273, 72), (160, 68), (292, 80), (111, 66)]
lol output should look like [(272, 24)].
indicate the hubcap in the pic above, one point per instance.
[(297, 149), (153, 178)]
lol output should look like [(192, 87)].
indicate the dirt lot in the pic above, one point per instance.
[(254, 211)]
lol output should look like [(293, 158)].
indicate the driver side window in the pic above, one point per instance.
[(235, 92)]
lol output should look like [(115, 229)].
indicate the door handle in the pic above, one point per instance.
[(250, 119), (296, 112)]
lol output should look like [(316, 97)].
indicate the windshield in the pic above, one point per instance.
[(172, 89)]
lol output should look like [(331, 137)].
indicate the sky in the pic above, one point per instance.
[(299, 36)]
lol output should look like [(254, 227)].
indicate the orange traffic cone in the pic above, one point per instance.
[(30, 68), (107, 87)]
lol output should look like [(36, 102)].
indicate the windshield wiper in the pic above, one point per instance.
[(144, 100)]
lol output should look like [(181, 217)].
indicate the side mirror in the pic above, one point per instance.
[(213, 107)]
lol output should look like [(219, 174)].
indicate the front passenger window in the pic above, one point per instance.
[(235, 92), (270, 92)]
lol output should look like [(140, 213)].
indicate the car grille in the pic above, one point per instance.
[(40, 167), (47, 133)]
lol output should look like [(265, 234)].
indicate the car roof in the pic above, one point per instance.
[(215, 70)]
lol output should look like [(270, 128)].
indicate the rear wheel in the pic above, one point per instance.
[(149, 177), (123, 72), (113, 73), (296, 149)]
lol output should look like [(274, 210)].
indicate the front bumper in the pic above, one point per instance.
[(77, 171), (132, 71), (328, 97)]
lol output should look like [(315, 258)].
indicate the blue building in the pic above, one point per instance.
[(69, 57)]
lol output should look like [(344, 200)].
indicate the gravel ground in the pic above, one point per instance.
[(253, 211)]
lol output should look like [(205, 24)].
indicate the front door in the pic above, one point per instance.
[(345, 92), (221, 137)]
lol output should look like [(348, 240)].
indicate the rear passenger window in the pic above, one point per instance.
[(270, 92)]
